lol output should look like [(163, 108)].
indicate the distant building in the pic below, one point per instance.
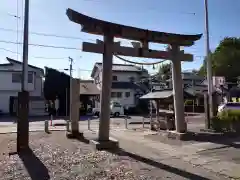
[(11, 77), (126, 82), (158, 86)]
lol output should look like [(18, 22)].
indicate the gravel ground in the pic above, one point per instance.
[(55, 157)]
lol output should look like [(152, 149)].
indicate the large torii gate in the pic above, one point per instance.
[(108, 48)]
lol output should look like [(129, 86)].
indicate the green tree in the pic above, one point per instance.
[(225, 59), (164, 72)]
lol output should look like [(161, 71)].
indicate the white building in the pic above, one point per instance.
[(10, 78), (126, 87)]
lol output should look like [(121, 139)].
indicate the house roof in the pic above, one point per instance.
[(12, 62), (119, 68), (158, 95), (88, 88), (163, 94)]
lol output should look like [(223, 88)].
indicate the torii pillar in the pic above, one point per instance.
[(178, 99), (104, 141), (106, 88)]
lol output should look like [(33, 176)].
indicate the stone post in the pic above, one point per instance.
[(104, 122), (178, 90), (23, 124), (75, 107)]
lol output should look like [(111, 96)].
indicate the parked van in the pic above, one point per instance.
[(115, 107)]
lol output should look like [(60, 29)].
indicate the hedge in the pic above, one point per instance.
[(227, 121)]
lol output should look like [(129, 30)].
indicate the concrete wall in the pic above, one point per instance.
[(125, 101), (122, 76)]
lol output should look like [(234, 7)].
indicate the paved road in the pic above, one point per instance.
[(120, 122)]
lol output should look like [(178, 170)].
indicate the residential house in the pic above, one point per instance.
[(158, 86), (10, 78), (126, 83), (189, 78)]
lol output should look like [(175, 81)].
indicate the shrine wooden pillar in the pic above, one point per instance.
[(178, 90)]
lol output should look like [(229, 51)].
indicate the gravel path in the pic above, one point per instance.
[(55, 157)]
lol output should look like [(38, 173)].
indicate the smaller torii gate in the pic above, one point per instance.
[(108, 48)]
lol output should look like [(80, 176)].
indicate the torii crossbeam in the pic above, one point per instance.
[(108, 48)]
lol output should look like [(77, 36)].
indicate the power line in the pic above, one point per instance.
[(46, 34), (42, 45), (37, 57)]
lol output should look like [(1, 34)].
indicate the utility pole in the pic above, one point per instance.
[(25, 48), (70, 89), (209, 61), (70, 94), (74, 106), (23, 96)]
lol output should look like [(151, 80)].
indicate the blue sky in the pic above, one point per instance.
[(49, 17)]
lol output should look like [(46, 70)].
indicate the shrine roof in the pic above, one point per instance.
[(99, 27)]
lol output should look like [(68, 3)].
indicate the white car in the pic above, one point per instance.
[(115, 107), (229, 106)]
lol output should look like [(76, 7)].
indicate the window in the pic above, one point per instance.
[(116, 94), (117, 105), (17, 77), (114, 78), (119, 94), (30, 77), (113, 94), (127, 94)]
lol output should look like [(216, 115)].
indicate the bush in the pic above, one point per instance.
[(226, 121), (230, 116)]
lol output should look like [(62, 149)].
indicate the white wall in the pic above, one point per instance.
[(4, 100), (7, 84), (125, 101), (123, 76), (8, 89)]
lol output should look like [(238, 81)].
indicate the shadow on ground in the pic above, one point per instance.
[(36, 169), (227, 139), (185, 174), (122, 152)]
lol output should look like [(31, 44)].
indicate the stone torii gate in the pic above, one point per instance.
[(108, 48)]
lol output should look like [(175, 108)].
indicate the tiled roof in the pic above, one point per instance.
[(119, 68), (12, 61)]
